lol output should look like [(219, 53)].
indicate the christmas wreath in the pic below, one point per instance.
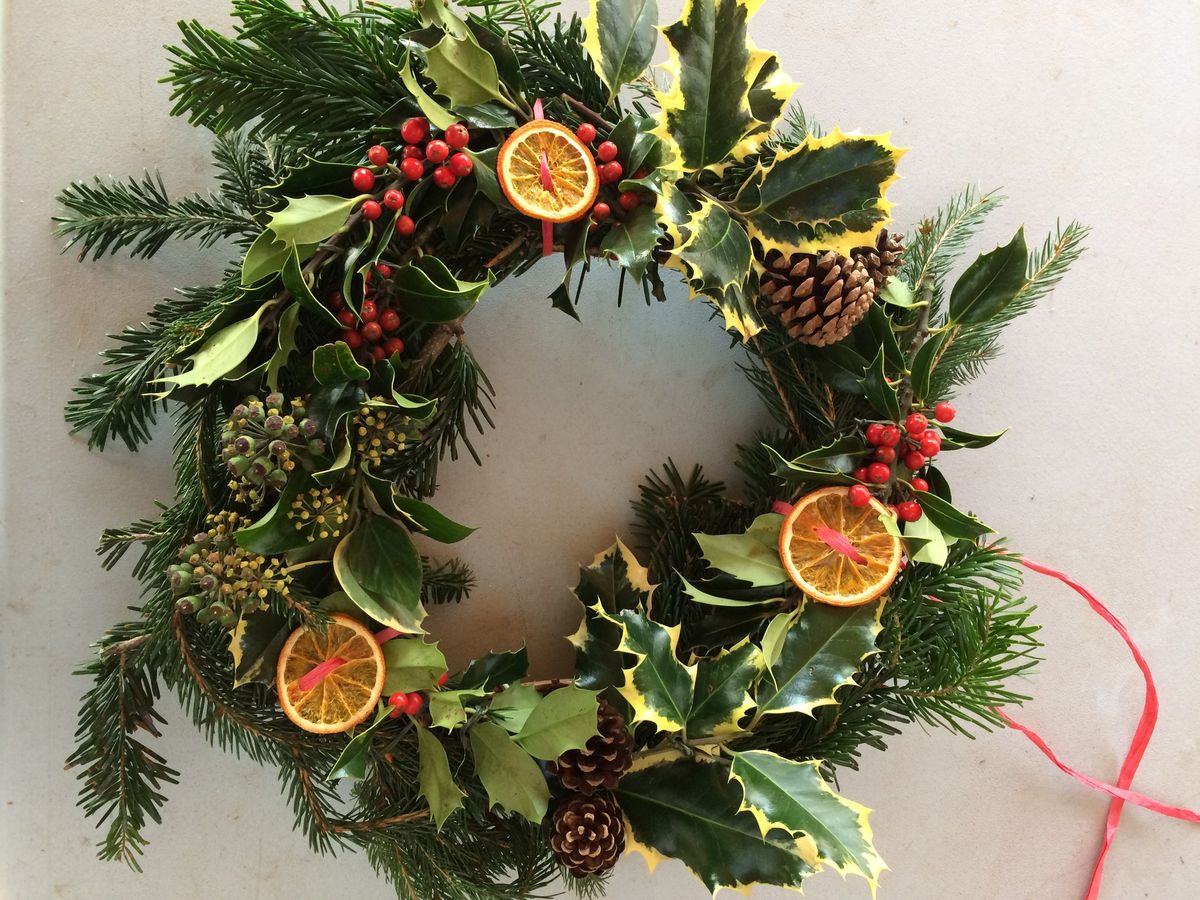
[(378, 170)]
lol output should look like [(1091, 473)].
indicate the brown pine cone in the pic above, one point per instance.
[(587, 833), (818, 298), (599, 765), (882, 260)]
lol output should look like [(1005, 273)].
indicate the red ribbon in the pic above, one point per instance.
[(1119, 792)]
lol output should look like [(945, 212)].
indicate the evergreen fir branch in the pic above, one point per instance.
[(109, 215), (446, 582), (554, 63), (936, 243), (246, 166), (969, 349)]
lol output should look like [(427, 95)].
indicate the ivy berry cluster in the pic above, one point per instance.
[(262, 441)]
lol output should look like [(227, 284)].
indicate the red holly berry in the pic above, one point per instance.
[(378, 353), (352, 338), (371, 210), (378, 155), (611, 172), (914, 459), (878, 473), (444, 178), (397, 699), (859, 495), (931, 444), (389, 319), (457, 136), (412, 151), (629, 201), (412, 169), (347, 318), (405, 226), (383, 270), (909, 510), (916, 424), (607, 151), (336, 301), (415, 130), (362, 179), (445, 676), (372, 333), (889, 436), (393, 345), (859, 474), (369, 312), (920, 484), (885, 454), (601, 211), (944, 412), (460, 164), (393, 199), (436, 151), (874, 430), (413, 705), (586, 132)]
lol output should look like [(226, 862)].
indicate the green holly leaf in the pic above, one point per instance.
[(432, 524), (925, 542), (955, 439), (335, 364), (706, 111), (619, 36), (752, 556), (722, 695), (788, 795), (463, 71), (923, 365), (774, 636), (352, 761), (658, 688), (493, 670), (273, 532), (510, 776), (949, 519), (439, 117), (428, 292), (255, 643), (699, 596), (631, 243), (687, 809), (312, 219), (298, 287), (820, 652), (218, 355), (717, 252), (266, 256), (412, 665), (880, 392), (285, 344), (564, 720), (435, 778), (990, 283), (513, 705), (380, 569), (897, 292), (447, 709)]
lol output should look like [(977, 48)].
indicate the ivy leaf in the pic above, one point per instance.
[(752, 556), (990, 283), (722, 695), (512, 706), (428, 292), (312, 218), (706, 111), (955, 439), (435, 778), (632, 242), (619, 36), (717, 253), (352, 761), (255, 643), (821, 651), (788, 795), (688, 809), (564, 720), (380, 569), (881, 393), (433, 524), (219, 355), (512, 779), (949, 519), (335, 364), (412, 665), (285, 344), (659, 687), (493, 670), (463, 71)]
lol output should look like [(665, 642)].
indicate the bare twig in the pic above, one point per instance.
[(588, 113)]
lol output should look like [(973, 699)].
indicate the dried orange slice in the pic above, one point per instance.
[(838, 553), (348, 657), (547, 173)]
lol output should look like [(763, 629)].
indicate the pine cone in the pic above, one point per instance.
[(588, 833), (600, 765), (818, 298), (882, 260)]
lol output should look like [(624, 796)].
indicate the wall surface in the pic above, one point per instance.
[(1078, 109)]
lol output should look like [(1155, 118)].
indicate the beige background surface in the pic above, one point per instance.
[(1085, 109)]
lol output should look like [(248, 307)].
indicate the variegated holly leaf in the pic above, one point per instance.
[(255, 643), (510, 776), (828, 193), (722, 695), (380, 569), (563, 720), (658, 688), (717, 251), (619, 36), (705, 112), (492, 670), (788, 795), (687, 808), (752, 556), (821, 650), (435, 778)]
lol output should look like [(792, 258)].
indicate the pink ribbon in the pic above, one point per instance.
[(319, 673), (839, 543), (539, 113)]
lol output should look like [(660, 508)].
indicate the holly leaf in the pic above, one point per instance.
[(658, 688), (352, 761), (687, 809), (950, 519), (380, 569), (512, 706), (897, 292), (255, 643), (428, 292), (285, 344), (447, 708), (512, 779), (219, 355), (788, 795), (619, 36), (722, 696), (433, 524), (273, 532), (955, 439), (312, 218), (631, 243), (880, 392), (774, 636), (990, 283), (717, 252), (463, 71), (335, 364), (435, 778), (705, 112), (820, 652), (438, 116), (493, 670), (923, 364), (298, 287), (752, 556), (699, 596), (925, 542), (412, 665), (266, 257), (564, 720)]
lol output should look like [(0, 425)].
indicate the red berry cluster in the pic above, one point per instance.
[(611, 172), (911, 446), (371, 334), (410, 704)]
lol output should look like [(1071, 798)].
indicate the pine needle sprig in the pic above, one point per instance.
[(935, 243), (245, 167), (553, 63), (450, 581)]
